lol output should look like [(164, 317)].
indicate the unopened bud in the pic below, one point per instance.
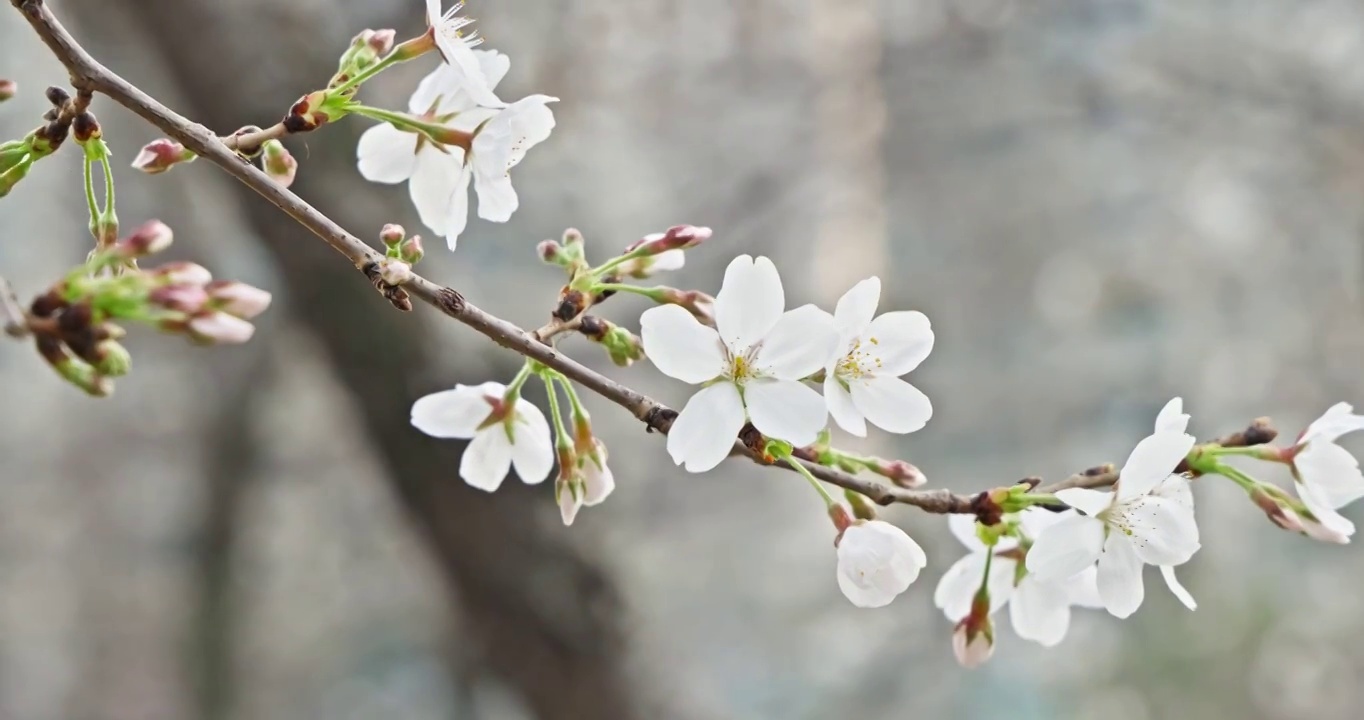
[(57, 96), (11, 176), (187, 299), (623, 346), (699, 304), (250, 148), (842, 520), (114, 359), (45, 140), (572, 236), (392, 234), (278, 163), (410, 250), (219, 328), (550, 251), (161, 155), (381, 41), (83, 376), (973, 642), (568, 493), (86, 128), (238, 298), (862, 506), (677, 237), (149, 238), (394, 272), (906, 475), (307, 113), (8, 89), (182, 273)]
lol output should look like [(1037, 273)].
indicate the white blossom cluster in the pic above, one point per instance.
[(787, 372)]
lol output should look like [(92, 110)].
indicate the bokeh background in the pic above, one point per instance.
[(1099, 203)]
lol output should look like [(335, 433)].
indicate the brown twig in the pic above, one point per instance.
[(250, 142), (89, 76)]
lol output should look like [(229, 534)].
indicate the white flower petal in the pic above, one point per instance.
[(957, 587), (1330, 526), (1040, 611), (1332, 471), (386, 154), (963, 528), (1171, 418), (1172, 582), (1152, 461), (802, 342), (532, 124), (1084, 588), (890, 403), (598, 482), (1119, 578), (704, 432), (433, 186), (785, 410), (532, 449), (487, 459), (1161, 531), (458, 54), (455, 413), (497, 199), (841, 407), (1176, 489), (439, 86), (876, 562), (1087, 501), (570, 502), (856, 308), (458, 219), (667, 261), (1036, 520), (1066, 548), (750, 302), (901, 340), (1338, 420), (680, 346)]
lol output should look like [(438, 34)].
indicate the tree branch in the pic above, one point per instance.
[(88, 75)]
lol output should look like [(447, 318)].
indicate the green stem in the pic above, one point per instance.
[(514, 387), (985, 580), (1041, 499), (616, 262), (108, 186), (829, 500), (384, 63), (402, 121), (575, 403), (561, 436), (90, 196), (598, 288), (1246, 482)]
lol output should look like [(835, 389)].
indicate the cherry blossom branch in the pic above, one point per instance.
[(89, 76)]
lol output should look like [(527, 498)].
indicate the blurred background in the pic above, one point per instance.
[(1099, 203)]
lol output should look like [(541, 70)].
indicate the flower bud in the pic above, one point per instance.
[(381, 41), (278, 163), (973, 646), (699, 304), (182, 273), (57, 96), (842, 520), (862, 506), (410, 250), (568, 495), (677, 237), (394, 272), (86, 128), (904, 474), (307, 114), (219, 328), (114, 359), (598, 481), (623, 346), (8, 89), (161, 155), (11, 177), (45, 140), (83, 376), (252, 148), (188, 299), (238, 298), (647, 266), (392, 234), (572, 236), (149, 238), (550, 252)]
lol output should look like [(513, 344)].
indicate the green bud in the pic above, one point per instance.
[(114, 359)]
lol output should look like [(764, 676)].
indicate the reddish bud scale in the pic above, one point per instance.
[(57, 96), (842, 520), (306, 114), (188, 299), (161, 155), (86, 128), (149, 238), (8, 89)]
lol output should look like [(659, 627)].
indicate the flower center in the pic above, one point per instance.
[(741, 366), (860, 361)]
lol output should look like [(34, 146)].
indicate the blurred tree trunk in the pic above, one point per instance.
[(539, 615)]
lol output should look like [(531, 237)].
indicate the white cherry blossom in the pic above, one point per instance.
[(1038, 609), (1126, 528), (457, 49), (862, 383), (876, 562), (502, 437), (435, 173), (598, 482), (1327, 475), (751, 364), (498, 146)]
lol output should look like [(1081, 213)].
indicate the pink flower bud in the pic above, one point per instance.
[(279, 164), (392, 234), (8, 88), (237, 298), (677, 237), (572, 236), (220, 328), (161, 155), (971, 646), (901, 473), (182, 273), (410, 250), (181, 298), (394, 272), (380, 41), (149, 238), (549, 251)]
